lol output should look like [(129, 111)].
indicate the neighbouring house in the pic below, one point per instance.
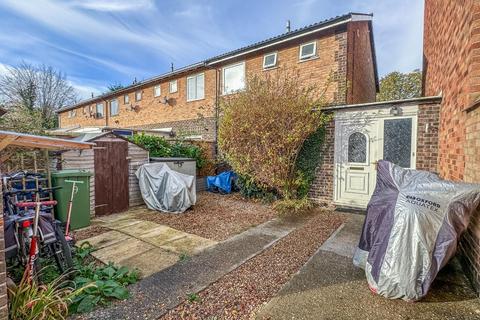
[(186, 100), (451, 55), (113, 163)]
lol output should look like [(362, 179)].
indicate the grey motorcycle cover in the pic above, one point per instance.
[(413, 223), (164, 189)]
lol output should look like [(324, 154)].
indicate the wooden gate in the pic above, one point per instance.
[(111, 177)]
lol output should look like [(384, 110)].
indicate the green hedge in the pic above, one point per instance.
[(160, 147)]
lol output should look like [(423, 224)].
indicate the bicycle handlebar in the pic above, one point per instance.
[(34, 204)]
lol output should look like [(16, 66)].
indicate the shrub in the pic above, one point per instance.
[(160, 147), (293, 206), (263, 129)]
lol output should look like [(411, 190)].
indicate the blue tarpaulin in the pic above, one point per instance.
[(222, 182)]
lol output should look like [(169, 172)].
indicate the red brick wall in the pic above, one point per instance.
[(428, 122), (361, 73), (452, 67), (446, 64)]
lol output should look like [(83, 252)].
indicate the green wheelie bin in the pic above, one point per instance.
[(67, 179)]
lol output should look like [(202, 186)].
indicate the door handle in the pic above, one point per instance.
[(376, 164)]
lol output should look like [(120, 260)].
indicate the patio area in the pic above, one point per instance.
[(151, 241)]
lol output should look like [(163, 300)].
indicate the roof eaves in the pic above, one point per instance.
[(419, 100)]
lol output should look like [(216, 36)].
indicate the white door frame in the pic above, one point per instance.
[(346, 121)]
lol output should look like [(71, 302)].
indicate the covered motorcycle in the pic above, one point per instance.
[(164, 189), (413, 223)]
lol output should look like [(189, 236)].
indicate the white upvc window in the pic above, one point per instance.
[(99, 110), (157, 91), (138, 95), (270, 60), (126, 99), (233, 78), (113, 107), (308, 50), (72, 113), (196, 87), (173, 86)]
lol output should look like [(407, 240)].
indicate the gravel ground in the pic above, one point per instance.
[(89, 232), (214, 216), (238, 294)]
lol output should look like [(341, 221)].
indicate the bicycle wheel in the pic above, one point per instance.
[(62, 252)]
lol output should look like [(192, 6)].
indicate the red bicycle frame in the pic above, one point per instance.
[(33, 253)]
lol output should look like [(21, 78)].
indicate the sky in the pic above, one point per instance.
[(100, 42)]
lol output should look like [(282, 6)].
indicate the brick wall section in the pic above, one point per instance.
[(428, 122), (446, 63), (361, 86), (3, 274), (321, 190)]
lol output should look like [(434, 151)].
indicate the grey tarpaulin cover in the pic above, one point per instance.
[(164, 189), (413, 222)]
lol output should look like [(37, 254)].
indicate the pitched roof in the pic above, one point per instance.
[(287, 36)]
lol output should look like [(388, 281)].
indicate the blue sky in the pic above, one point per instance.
[(99, 42)]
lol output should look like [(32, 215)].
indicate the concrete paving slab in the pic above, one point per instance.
[(136, 230), (151, 261), (105, 239), (189, 244), (122, 250), (161, 235), (114, 217), (345, 239), (123, 223)]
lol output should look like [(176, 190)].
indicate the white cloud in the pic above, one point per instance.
[(112, 5), (85, 91)]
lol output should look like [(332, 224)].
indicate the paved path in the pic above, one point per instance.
[(330, 287), (154, 295)]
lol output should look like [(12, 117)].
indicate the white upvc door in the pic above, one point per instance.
[(361, 139)]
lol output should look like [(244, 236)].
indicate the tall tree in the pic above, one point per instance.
[(31, 95), (397, 85)]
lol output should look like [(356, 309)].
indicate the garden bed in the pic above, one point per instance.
[(238, 294), (214, 216)]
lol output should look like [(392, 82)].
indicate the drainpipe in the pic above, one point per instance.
[(106, 112), (217, 88)]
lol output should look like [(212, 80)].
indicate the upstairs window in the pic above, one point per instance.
[(196, 87), (99, 110), (138, 95), (114, 107), (157, 91), (269, 60), (72, 113), (126, 99), (234, 78), (173, 86), (308, 50)]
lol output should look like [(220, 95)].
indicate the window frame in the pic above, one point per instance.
[(367, 149), (176, 86), (195, 76), (118, 108), (72, 113), (155, 91), (275, 61), (223, 77), (96, 110), (310, 56), (136, 95), (127, 100)]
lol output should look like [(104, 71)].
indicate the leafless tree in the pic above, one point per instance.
[(34, 92)]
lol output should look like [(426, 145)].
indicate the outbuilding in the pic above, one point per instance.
[(112, 162)]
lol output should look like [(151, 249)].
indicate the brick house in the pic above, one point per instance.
[(452, 68), (186, 99)]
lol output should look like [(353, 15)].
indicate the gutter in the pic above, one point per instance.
[(420, 100)]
